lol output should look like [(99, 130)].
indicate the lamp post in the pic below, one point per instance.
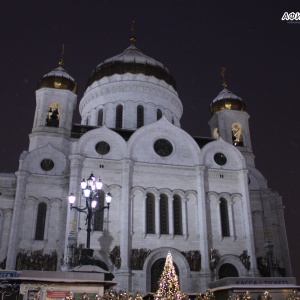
[(90, 188)]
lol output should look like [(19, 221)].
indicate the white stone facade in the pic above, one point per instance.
[(131, 171)]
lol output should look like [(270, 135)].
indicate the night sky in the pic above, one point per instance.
[(193, 39)]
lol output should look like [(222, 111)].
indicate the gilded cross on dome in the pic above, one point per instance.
[(61, 61), (222, 74), (132, 38)]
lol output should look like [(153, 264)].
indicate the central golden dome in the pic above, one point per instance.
[(133, 61)]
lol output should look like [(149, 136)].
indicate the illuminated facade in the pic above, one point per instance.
[(201, 198)]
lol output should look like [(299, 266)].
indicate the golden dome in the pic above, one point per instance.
[(132, 61), (58, 79), (227, 100)]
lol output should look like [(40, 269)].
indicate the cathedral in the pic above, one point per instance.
[(201, 198)]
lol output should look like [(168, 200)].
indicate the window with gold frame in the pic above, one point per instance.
[(237, 137)]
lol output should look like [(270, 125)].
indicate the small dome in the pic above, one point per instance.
[(133, 61), (58, 79), (227, 100)]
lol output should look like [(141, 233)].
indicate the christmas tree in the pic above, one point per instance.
[(168, 282)]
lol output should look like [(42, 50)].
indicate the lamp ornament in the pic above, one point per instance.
[(90, 191)]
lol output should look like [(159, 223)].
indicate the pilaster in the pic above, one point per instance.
[(203, 245), (157, 216), (74, 187), (171, 217), (184, 218), (13, 245), (247, 217), (124, 273), (5, 221)]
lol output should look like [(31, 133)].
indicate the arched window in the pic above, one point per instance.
[(156, 271), (173, 120), (150, 213), (224, 217), (99, 216), (158, 114), (177, 215), (228, 270), (119, 116), (216, 133), (40, 221), (87, 121), (164, 214), (53, 115), (100, 117), (140, 116), (237, 137)]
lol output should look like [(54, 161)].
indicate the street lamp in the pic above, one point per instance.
[(90, 190)]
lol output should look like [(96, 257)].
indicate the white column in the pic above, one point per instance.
[(53, 228), (144, 200), (171, 216), (13, 245), (94, 118), (74, 187), (1, 228), (5, 228), (46, 229), (34, 216), (231, 219), (203, 240), (123, 274), (247, 217), (157, 215), (110, 115), (131, 214), (184, 218), (218, 219)]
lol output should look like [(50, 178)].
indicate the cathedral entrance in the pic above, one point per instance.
[(156, 271), (228, 270)]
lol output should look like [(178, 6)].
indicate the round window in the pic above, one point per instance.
[(163, 147), (220, 159), (102, 148), (47, 164)]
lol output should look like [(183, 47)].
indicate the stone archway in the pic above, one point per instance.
[(228, 270), (156, 271), (178, 260)]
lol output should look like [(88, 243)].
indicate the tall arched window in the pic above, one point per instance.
[(177, 215), (237, 137), (164, 214), (158, 114), (53, 115), (224, 217), (140, 116), (99, 216), (100, 117), (119, 116), (216, 133), (40, 221), (150, 213)]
